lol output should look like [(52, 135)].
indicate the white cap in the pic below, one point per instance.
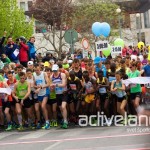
[(70, 61), (51, 61), (30, 63), (55, 67)]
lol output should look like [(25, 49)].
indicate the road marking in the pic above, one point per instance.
[(72, 139), (34, 135), (118, 146), (140, 149), (53, 145), (4, 135)]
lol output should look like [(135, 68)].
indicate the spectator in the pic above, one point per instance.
[(2, 40), (5, 59), (23, 54), (12, 50), (32, 49)]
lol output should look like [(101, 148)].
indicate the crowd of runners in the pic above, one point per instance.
[(48, 92)]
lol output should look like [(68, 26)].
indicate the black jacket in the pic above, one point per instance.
[(2, 49)]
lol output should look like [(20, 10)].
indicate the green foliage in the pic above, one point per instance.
[(88, 13), (13, 20)]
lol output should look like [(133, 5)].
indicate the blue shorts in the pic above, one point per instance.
[(40, 98)]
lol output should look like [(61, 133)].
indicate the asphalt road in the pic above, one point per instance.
[(77, 138)]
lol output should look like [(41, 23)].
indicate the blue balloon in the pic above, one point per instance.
[(103, 59), (96, 29), (105, 29)]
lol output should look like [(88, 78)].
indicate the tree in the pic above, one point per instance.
[(13, 20), (55, 14), (88, 12)]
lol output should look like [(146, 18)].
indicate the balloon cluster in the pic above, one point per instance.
[(141, 45), (101, 29), (117, 42)]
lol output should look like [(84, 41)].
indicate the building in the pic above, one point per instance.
[(139, 13), (134, 27)]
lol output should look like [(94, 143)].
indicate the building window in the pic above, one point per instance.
[(23, 5), (142, 37), (146, 19), (138, 22)]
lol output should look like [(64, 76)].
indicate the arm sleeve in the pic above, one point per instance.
[(24, 46), (2, 41)]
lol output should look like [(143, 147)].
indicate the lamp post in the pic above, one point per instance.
[(138, 15), (118, 10)]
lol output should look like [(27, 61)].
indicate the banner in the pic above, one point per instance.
[(116, 50), (5, 91), (137, 80), (101, 45)]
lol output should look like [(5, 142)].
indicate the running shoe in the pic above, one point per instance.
[(32, 126), (9, 128), (65, 125), (38, 126), (47, 126), (51, 123), (21, 128), (55, 124)]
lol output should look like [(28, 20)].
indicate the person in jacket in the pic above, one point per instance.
[(2, 40), (32, 49), (12, 50), (23, 52)]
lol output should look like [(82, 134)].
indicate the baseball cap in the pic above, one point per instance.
[(55, 67), (51, 61), (30, 63), (46, 64), (70, 61), (97, 60)]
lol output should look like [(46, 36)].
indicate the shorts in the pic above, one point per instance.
[(6, 105), (120, 99), (103, 97), (33, 99), (27, 103), (1, 103), (51, 101), (40, 98), (134, 95), (61, 98), (72, 98), (13, 102)]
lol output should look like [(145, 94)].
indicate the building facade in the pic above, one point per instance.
[(133, 27)]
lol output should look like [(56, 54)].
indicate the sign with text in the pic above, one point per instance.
[(101, 45), (116, 49), (85, 53)]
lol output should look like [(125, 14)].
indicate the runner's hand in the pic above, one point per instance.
[(22, 103), (5, 99), (37, 91), (16, 98)]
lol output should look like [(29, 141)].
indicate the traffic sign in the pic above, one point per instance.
[(85, 43), (71, 36)]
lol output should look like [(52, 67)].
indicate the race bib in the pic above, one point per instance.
[(39, 82), (73, 86), (102, 90), (59, 90), (11, 86), (22, 93), (133, 85)]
